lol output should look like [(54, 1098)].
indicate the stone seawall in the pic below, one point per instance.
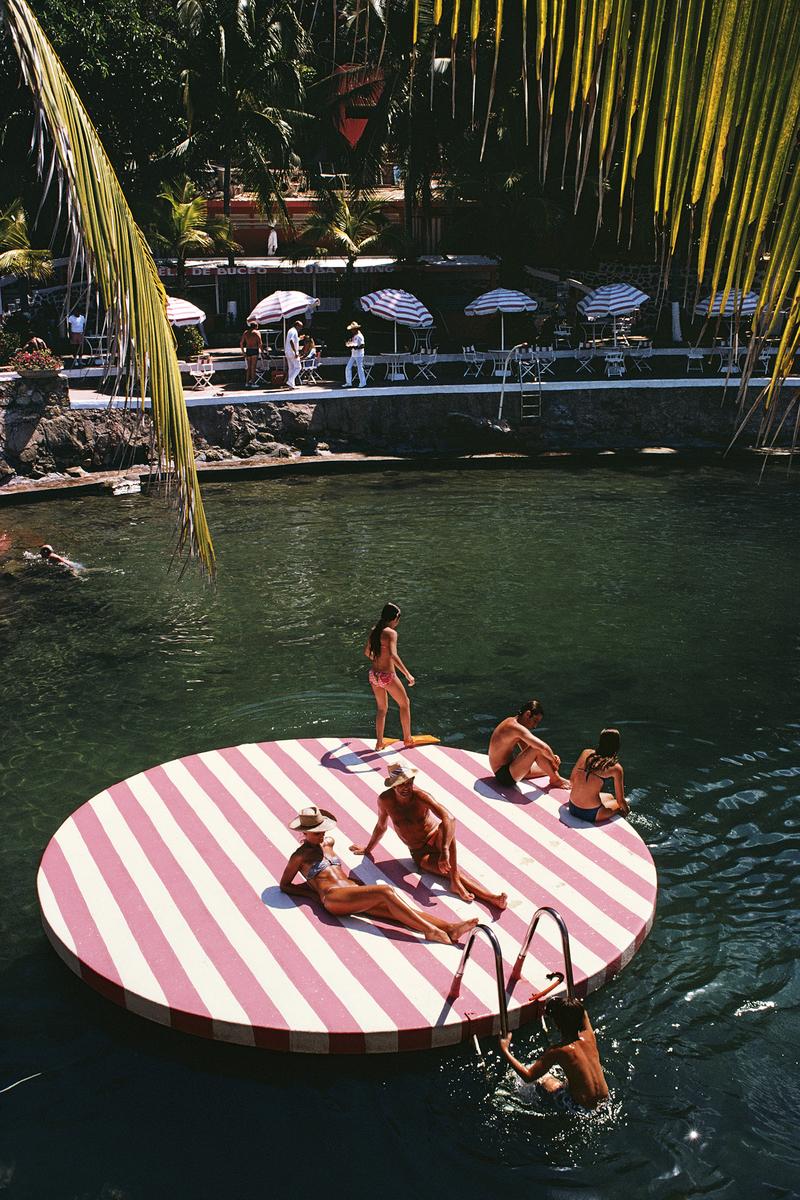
[(40, 434)]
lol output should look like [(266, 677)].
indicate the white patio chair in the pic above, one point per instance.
[(202, 373), (264, 369), (563, 337), (694, 361), (309, 369), (424, 363), (615, 364), (546, 361), (641, 359), (473, 362), (584, 357)]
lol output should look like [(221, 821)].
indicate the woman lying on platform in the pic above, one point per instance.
[(342, 896), (587, 800)]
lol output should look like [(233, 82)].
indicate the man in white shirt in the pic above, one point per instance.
[(356, 346), (292, 351), (77, 324)]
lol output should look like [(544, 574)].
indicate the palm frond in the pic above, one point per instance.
[(114, 254)]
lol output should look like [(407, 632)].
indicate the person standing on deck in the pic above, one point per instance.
[(381, 649), (77, 325), (251, 346), (356, 346), (429, 831), (292, 352)]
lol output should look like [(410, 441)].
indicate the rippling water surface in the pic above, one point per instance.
[(663, 601)]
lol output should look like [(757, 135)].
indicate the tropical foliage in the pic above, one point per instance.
[(35, 360), (17, 256), (184, 226), (112, 251)]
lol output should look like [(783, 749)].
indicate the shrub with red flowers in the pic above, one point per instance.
[(35, 360)]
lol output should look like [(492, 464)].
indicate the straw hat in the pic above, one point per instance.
[(353, 326), (399, 773), (313, 820)]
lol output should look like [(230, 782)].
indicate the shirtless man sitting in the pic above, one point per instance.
[(575, 1053), (515, 753), (428, 829)]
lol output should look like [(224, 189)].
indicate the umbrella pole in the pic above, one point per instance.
[(395, 337), (503, 332)]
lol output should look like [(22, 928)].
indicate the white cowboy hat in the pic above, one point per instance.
[(313, 820), (399, 773)]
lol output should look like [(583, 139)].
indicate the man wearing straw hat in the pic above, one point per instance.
[(429, 831), (355, 343)]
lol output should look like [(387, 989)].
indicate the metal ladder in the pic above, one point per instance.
[(530, 399), (516, 971)]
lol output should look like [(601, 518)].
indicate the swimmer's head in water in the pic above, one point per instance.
[(567, 1014), (45, 550), (531, 711)]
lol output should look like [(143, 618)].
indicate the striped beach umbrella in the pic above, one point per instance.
[(181, 312), (501, 300), (611, 300), (736, 304), (281, 306), (393, 304)]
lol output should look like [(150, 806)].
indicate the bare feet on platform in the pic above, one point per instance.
[(438, 935), (459, 928), (500, 901), (560, 782), (459, 890)]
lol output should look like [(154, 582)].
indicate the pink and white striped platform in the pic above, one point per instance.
[(162, 893)]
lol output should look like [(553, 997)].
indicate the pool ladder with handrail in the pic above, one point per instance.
[(516, 970)]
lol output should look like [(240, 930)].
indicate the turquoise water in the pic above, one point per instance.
[(661, 600)]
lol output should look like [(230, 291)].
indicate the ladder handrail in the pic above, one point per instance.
[(562, 926), (498, 968)]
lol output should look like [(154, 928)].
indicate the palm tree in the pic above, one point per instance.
[(243, 90), (114, 254), (184, 227), (350, 224), (17, 256)]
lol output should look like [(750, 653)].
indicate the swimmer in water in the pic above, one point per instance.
[(343, 896), (575, 1053), (52, 559)]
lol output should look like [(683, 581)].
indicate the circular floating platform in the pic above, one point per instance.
[(162, 893)]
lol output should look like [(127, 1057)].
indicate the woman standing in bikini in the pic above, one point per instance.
[(587, 801), (381, 649), (343, 896)]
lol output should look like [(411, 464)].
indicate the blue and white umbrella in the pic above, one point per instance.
[(393, 304), (737, 303), (612, 300), (501, 300)]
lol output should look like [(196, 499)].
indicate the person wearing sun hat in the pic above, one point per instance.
[(355, 344), (341, 895), (429, 831)]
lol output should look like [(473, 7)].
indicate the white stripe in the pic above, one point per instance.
[(426, 998), (203, 975), (132, 967), (306, 934), (52, 913)]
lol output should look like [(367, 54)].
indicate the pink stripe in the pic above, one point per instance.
[(233, 969), (398, 1006), (97, 965), (439, 976), (578, 925), (297, 966), (164, 963)]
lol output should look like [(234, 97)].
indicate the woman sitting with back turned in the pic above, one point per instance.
[(381, 648), (342, 896), (587, 801)]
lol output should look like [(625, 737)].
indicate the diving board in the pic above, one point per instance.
[(162, 894)]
